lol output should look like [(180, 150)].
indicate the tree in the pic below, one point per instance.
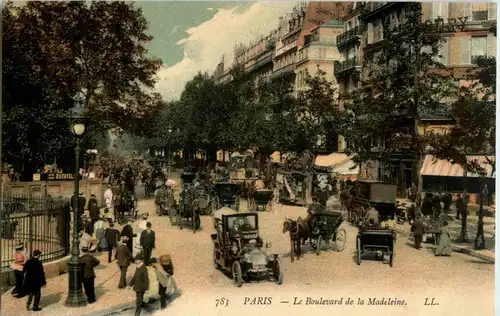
[(474, 129), (53, 49), (402, 81)]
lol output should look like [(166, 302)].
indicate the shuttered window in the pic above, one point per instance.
[(491, 45), (370, 33), (492, 11), (465, 51)]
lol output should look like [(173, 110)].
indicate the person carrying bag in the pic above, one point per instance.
[(164, 272)]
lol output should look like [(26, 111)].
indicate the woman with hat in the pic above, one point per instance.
[(99, 234), (17, 266)]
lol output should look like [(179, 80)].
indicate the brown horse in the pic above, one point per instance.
[(299, 232)]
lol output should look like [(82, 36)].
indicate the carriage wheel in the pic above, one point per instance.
[(340, 239), (214, 257), (358, 249), (237, 274), (318, 245), (353, 218), (277, 273)]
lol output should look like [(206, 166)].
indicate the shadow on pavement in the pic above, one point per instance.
[(50, 299)]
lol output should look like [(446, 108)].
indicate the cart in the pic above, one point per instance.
[(380, 195), (227, 194), (325, 228), (377, 241)]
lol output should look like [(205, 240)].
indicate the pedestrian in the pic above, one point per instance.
[(124, 258), (372, 217), (112, 237), (94, 213), (164, 272), (34, 280), (418, 230), (148, 241), (140, 284), (90, 262), (102, 244), (108, 197), (92, 201), (444, 246), (17, 266), (107, 216), (128, 232), (85, 240), (459, 205)]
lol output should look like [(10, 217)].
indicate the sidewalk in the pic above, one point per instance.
[(110, 299), (454, 227)]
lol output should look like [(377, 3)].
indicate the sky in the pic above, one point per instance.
[(192, 36)]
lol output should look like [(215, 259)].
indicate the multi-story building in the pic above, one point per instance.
[(467, 28)]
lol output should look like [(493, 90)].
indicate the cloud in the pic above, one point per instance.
[(207, 42)]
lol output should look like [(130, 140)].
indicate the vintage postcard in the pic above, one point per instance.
[(248, 158)]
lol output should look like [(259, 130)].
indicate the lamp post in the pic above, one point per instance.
[(480, 242), (75, 266), (169, 140)]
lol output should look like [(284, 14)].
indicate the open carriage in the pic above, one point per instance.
[(326, 229), (228, 195), (238, 248), (378, 241), (261, 200)]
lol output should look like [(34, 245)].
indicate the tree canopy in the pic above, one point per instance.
[(52, 50)]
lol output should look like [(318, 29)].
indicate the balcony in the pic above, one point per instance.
[(372, 9), (349, 64), (348, 36)]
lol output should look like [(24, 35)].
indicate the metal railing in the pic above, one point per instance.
[(347, 64), (349, 35), (35, 223)]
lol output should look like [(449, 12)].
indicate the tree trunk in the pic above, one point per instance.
[(463, 230), (420, 184)]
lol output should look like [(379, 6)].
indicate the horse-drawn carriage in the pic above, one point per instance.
[(238, 248), (261, 200), (227, 194), (366, 194), (376, 240), (188, 176), (325, 228), (205, 200), (187, 214), (126, 206), (165, 201)]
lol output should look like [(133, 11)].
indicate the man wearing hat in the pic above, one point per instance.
[(140, 283), (418, 230), (164, 270), (34, 279), (17, 266), (124, 257), (112, 237), (90, 262), (148, 242), (128, 232)]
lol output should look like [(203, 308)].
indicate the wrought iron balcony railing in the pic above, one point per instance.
[(349, 35), (350, 63)]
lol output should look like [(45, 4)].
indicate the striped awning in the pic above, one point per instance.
[(443, 168)]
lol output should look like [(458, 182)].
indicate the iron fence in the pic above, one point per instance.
[(36, 223)]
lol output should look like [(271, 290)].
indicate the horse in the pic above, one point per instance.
[(189, 210), (299, 232)]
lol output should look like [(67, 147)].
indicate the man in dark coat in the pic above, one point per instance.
[(128, 232), (34, 280), (418, 230), (90, 262), (140, 282), (112, 236), (92, 201), (147, 242), (94, 213), (459, 205), (78, 202), (124, 257)]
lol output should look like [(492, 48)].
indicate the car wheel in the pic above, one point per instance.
[(237, 274)]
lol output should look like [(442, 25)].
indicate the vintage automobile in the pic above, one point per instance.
[(376, 240), (326, 229), (238, 248), (377, 194), (227, 194), (293, 186)]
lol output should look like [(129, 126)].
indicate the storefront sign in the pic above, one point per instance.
[(60, 177)]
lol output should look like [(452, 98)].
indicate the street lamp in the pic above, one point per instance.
[(169, 139), (75, 266), (480, 242)]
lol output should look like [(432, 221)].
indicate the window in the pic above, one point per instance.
[(378, 33), (492, 11), (444, 51), (478, 47), (440, 10), (467, 10), (465, 51)]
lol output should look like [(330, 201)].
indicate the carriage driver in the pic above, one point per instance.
[(372, 217)]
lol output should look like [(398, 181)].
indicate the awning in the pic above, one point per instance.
[(443, 168), (339, 162)]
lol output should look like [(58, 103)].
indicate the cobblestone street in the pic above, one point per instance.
[(416, 274)]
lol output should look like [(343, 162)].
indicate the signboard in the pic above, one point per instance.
[(60, 177)]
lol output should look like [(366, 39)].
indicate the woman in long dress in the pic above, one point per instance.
[(444, 246)]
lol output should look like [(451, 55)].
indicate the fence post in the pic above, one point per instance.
[(30, 232)]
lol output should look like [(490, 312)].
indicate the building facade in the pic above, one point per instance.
[(468, 33)]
